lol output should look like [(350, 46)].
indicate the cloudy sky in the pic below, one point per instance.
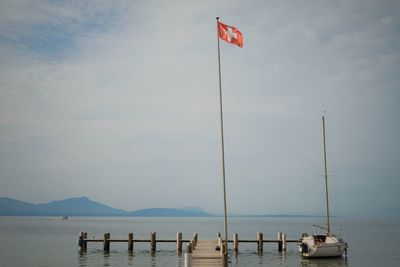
[(118, 101)]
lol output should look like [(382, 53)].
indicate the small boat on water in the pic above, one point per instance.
[(326, 244), (321, 245)]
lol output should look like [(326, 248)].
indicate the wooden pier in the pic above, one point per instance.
[(281, 241), (204, 253), (199, 253), (106, 241)]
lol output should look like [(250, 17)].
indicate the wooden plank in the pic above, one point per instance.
[(205, 254)]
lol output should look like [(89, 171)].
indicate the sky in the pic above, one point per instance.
[(118, 101)]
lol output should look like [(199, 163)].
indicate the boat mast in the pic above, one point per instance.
[(326, 178)]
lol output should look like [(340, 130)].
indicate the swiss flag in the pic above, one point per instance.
[(230, 34)]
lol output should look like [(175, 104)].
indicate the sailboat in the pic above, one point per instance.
[(326, 244)]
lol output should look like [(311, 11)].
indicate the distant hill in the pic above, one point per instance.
[(161, 212), (194, 209), (80, 206), (11, 207), (83, 206)]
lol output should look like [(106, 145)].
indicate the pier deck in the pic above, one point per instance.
[(205, 254)]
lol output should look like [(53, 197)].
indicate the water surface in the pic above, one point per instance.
[(51, 241)]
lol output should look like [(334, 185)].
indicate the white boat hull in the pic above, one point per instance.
[(315, 247)]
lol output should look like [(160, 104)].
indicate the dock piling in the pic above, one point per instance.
[(130, 242), (189, 247), (195, 238), (279, 238), (235, 242), (179, 242), (106, 242), (80, 242), (218, 235), (153, 245), (260, 242), (188, 259), (283, 241), (224, 254), (85, 241), (188, 255)]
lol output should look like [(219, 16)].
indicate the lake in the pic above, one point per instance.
[(51, 241)]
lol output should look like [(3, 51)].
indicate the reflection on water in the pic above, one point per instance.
[(330, 262), (106, 259), (153, 258), (131, 254), (98, 257), (82, 258), (171, 258)]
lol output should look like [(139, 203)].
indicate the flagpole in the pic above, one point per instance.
[(222, 144)]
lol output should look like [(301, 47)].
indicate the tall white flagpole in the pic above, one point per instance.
[(222, 145)]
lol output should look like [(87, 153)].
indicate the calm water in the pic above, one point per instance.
[(49, 241)]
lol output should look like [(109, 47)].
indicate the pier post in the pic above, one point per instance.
[(188, 259), (153, 241), (191, 243), (188, 255), (279, 237), (80, 242), (219, 243), (179, 242), (106, 242), (130, 242), (283, 241), (235, 242), (195, 238), (224, 254), (189, 248), (260, 241), (85, 241)]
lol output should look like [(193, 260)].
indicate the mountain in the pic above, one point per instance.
[(195, 209), (162, 212), (80, 206), (83, 206), (11, 207)]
